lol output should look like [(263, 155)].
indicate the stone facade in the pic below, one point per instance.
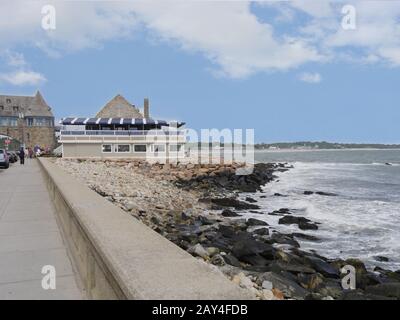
[(119, 107), (27, 119)]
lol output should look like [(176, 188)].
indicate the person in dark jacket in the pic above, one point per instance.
[(22, 155)]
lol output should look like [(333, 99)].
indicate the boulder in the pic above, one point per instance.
[(198, 250), (261, 231), (381, 258), (251, 200), (390, 289), (303, 223), (305, 236), (229, 213), (322, 267), (256, 222), (289, 288), (231, 202)]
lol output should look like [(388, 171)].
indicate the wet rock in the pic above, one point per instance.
[(227, 231), (230, 202), (256, 222), (281, 238), (251, 200), (322, 266), (229, 213), (276, 194), (303, 223), (381, 258), (261, 231), (305, 236), (328, 194), (290, 267), (307, 226)]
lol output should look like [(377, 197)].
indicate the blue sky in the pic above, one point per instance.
[(288, 70)]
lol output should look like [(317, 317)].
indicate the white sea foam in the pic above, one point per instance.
[(362, 221)]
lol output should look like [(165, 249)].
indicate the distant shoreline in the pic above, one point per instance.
[(311, 150)]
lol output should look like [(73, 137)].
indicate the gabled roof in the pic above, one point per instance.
[(119, 107), (28, 105)]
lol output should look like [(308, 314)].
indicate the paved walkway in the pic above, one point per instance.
[(30, 238)]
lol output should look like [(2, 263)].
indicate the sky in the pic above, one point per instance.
[(292, 71)]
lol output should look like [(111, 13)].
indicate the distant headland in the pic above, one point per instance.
[(314, 145)]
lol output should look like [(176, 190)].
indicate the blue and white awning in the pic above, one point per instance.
[(115, 121)]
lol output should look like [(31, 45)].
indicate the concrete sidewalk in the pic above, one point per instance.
[(30, 238)]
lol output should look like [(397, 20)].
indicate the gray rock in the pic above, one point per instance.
[(199, 251), (288, 287), (390, 289), (256, 222)]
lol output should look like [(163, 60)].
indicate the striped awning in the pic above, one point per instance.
[(116, 121)]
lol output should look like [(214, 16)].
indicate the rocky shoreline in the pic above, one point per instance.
[(197, 208)]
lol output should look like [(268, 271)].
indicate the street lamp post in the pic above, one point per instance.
[(21, 117)]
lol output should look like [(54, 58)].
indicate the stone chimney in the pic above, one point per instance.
[(146, 113)]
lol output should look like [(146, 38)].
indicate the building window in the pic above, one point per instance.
[(1, 108), (139, 148), (158, 148), (41, 122), (106, 148), (15, 109), (29, 122), (8, 121), (8, 100), (122, 148), (175, 147)]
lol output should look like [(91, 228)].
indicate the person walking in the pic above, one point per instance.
[(22, 155)]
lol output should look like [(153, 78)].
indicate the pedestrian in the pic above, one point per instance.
[(22, 155), (30, 152)]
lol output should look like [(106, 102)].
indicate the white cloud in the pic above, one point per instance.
[(22, 78), (229, 34), (13, 59), (310, 77)]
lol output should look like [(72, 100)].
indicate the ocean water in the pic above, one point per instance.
[(363, 221)]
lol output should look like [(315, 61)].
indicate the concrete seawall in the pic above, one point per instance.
[(118, 257)]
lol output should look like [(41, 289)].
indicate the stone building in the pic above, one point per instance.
[(28, 119), (121, 130)]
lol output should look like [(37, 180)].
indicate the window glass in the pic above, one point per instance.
[(41, 122), (106, 147), (159, 148), (140, 148), (8, 121), (175, 147), (123, 148), (29, 122)]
